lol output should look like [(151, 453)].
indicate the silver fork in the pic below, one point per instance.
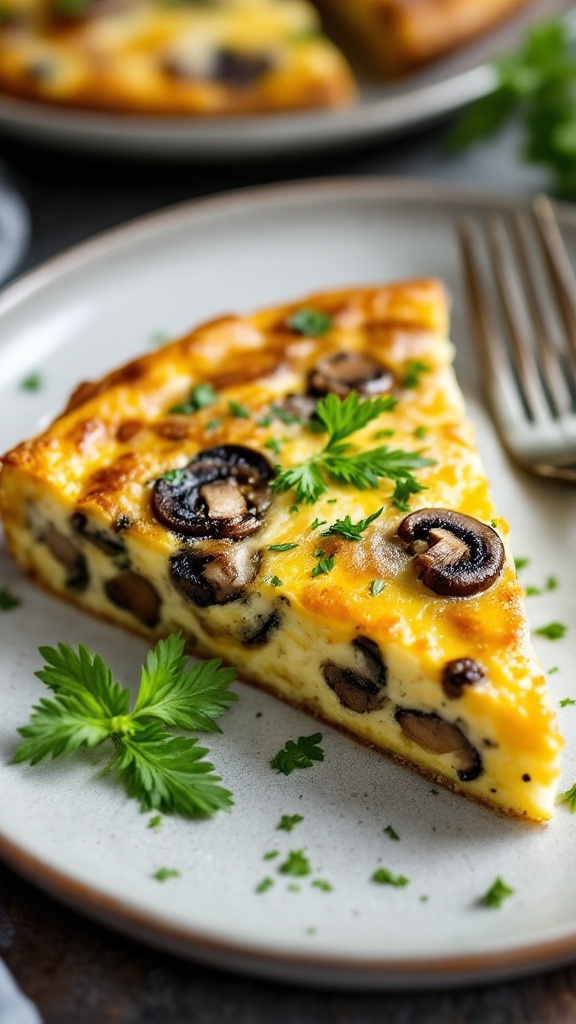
[(522, 299)]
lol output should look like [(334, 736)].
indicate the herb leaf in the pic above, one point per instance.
[(325, 565), (289, 821), (568, 797), (201, 397), (8, 601), (296, 864), (299, 754), (163, 772), (188, 698), (385, 877), (497, 893), (309, 321), (349, 530), (553, 631)]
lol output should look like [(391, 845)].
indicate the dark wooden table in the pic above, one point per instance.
[(75, 971)]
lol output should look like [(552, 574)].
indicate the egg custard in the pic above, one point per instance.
[(163, 57), (299, 492)]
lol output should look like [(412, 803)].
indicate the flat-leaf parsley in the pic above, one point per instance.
[(299, 754)]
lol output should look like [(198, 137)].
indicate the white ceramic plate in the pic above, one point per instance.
[(383, 110), (74, 834)]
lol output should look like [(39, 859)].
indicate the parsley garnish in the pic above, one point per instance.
[(420, 433), (163, 874), (323, 885), (294, 508), (534, 87), (553, 631), (414, 370), (318, 522), (380, 434), (8, 601), (349, 530), (376, 587), (155, 822), (391, 832), (497, 893), (403, 490), (213, 424), (281, 547), (552, 670), (32, 383), (264, 885), (299, 754), (289, 821), (551, 583), (339, 460), (296, 864), (238, 410), (325, 565), (533, 591), (274, 581), (174, 476), (164, 772), (566, 701), (311, 322), (568, 797), (201, 397), (273, 445), (271, 855), (521, 563), (385, 877)]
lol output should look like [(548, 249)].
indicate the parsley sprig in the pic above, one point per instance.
[(536, 88), (163, 771), (339, 459), (349, 530), (299, 754)]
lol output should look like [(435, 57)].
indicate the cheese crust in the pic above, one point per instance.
[(78, 509)]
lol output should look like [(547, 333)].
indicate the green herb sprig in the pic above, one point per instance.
[(298, 754), (535, 87), (165, 772), (339, 460)]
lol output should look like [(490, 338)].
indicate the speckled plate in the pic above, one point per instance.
[(383, 110), (74, 834)]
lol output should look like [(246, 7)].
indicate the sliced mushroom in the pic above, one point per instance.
[(464, 556), (213, 575), (135, 594), (440, 737), (261, 629), (343, 372), (101, 539), (460, 673), (359, 690), (221, 493), (232, 67), (65, 552)]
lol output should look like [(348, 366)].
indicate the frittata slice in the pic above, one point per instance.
[(216, 487), (157, 57), (399, 35)]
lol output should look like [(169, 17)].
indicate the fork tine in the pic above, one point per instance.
[(559, 393), (494, 365), (521, 349), (559, 267)]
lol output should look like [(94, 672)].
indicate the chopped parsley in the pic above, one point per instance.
[(274, 581), (497, 893), (281, 547), (553, 631), (420, 433), (318, 522), (8, 601), (174, 476), (213, 424), (323, 885), (568, 797), (165, 772), (155, 822), (273, 445), (521, 563), (294, 508), (201, 397), (391, 832), (296, 864), (376, 587), (264, 885), (299, 754), (163, 874), (238, 410), (551, 583), (325, 565), (532, 591), (31, 383), (264, 421), (567, 702), (271, 855), (349, 530), (413, 372), (312, 323), (553, 670), (380, 434), (339, 460), (385, 877), (403, 490), (289, 821)]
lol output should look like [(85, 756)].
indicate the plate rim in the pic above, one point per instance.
[(246, 956)]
